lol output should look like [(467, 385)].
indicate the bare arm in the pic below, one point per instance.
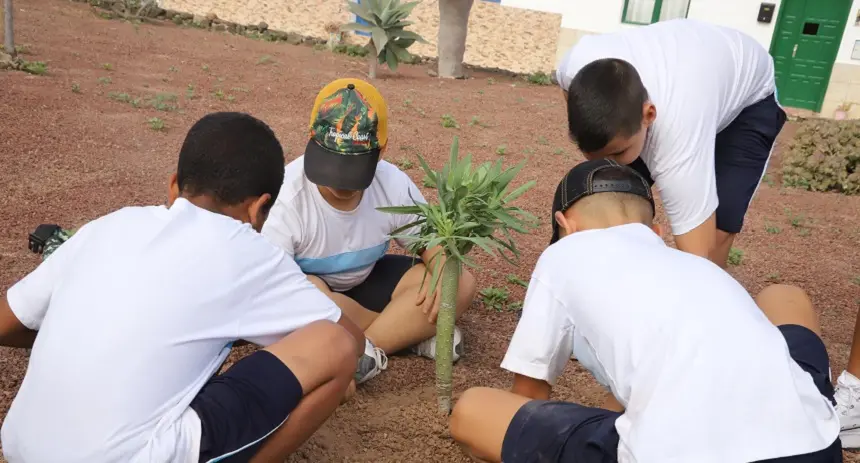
[(12, 332), (532, 388), (700, 240)]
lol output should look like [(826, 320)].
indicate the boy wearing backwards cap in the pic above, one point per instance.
[(326, 218), (703, 372), (692, 105)]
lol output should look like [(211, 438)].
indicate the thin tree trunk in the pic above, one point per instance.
[(374, 60), (450, 281), (9, 40), (453, 26)]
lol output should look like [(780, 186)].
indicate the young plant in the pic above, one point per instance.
[(386, 24), (473, 209), (495, 298)]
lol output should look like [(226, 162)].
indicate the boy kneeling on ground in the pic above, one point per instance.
[(131, 318), (701, 371), (326, 217)]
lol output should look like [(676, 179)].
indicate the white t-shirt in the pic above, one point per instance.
[(135, 313), (700, 77), (703, 374), (341, 247)]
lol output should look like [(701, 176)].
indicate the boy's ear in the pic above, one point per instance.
[(173, 189), (649, 113), (566, 226), (257, 211)]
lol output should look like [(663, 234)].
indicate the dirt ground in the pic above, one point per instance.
[(78, 143)]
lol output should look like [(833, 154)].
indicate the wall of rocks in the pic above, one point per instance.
[(512, 39)]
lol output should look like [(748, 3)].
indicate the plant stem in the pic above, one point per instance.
[(450, 281), (374, 60)]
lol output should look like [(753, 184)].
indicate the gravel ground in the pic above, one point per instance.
[(72, 149)]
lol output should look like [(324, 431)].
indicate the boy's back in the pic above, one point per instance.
[(667, 325), (153, 298), (687, 66)]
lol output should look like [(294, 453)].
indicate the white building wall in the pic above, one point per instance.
[(852, 34)]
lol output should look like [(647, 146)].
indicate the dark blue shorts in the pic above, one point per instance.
[(243, 406), (741, 154), (544, 431), (374, 293)]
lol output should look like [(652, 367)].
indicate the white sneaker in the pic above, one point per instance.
[(848, 407), (371, 363), (427, 348)]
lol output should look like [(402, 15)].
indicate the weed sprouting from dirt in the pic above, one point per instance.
[(76, 88), (107, 66), (241, 90), (121, 97), (542, 141), (774, 277), (772, 229), (476, 121), (514, 279), (205, 68), (35, 67), (405, 164), (495, 298), (173, 69), (856, 280), (491, 81), (189, 92), (156, 124), (358, 51), (539, 78), (449, 122), (558, 152), (501, 149), (105, 80), (265, 59), (736, 256)]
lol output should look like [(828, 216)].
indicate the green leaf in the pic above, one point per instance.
[(362, 12), (391, 59), (399, 209), (401, 53), (373, 5), (380, 39), (404, 34), (519, 191), (356, 27)]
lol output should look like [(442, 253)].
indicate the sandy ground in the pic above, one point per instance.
[(70, 156)]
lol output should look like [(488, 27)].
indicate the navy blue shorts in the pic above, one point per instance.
[(243, 406), (741, 154), (544, 431), (375, 292)]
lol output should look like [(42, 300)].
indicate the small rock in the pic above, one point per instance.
[(240, 29), (186, 16), (200, 21), (553, 78), (211, 16), (220, 27), (277, 35), (262, 26), (153, 12), (294, 39)]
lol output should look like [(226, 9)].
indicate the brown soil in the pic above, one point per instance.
[(68, 157)]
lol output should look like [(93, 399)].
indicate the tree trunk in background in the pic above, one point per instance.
[(450, 281), (374, 59), (9, 40), (453, 26)]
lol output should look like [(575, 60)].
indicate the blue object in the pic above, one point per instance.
[(361, 21)]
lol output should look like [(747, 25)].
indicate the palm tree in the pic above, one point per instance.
[(473, 209)]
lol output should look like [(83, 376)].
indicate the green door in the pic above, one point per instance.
[(804, 47)]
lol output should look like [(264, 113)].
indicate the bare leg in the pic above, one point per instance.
[(403, 323), (322, 356), (358, 314), (611, 403), (720, 252), (481, 418), (788, 305)]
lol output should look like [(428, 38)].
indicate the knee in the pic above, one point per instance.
[(465, 411), (337, 343), (778, 297), (467, 287)]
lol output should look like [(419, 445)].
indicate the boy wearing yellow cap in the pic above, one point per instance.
[(326, 218)]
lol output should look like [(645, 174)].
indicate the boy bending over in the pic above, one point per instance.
[(701, 371), (130, 318), (326, 217)]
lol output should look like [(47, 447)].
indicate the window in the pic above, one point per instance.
[(651, 11)]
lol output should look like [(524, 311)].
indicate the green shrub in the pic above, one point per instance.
[(824, 156)]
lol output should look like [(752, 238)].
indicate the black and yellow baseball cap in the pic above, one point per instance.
[(348, 130)]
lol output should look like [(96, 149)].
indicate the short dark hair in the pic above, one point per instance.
[(231, 157), (604, 100)]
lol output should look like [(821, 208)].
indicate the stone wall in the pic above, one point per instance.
[(513, 39)]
